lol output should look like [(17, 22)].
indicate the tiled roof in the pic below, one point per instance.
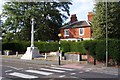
[(77, 24)]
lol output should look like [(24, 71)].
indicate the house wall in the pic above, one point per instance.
[(74, 33), (90, 16)]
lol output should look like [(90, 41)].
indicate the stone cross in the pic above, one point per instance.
[(32, 33)]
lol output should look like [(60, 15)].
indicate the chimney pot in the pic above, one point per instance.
[(73, 18), (90, 16)]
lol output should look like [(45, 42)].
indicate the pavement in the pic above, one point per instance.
[(53, 61)]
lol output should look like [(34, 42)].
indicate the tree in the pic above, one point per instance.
[(99, 20), (47, 15)]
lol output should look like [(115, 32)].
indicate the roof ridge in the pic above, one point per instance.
[(71, 25)]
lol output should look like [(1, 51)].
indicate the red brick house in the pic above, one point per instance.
[(77, 30)]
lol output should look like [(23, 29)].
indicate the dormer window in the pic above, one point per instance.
[(81, 31), (66, 32)]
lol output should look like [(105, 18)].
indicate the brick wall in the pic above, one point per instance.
[(90, 16), (74, 33), (73, 18)]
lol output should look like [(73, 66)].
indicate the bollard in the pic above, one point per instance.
[(45, 55), (7, 53), (17, 53), (78, 57)]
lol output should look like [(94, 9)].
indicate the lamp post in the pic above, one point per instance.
[(59, 49), (106, 38)]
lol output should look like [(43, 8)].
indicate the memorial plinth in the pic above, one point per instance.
[(32, 52)]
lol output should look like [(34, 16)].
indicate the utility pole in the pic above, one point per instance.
[(106, 37)]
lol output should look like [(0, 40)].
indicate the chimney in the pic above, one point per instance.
[(90, 16), (73, 18)]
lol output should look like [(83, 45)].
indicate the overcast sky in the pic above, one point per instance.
[(79, 7)]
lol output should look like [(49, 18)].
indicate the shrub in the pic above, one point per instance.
[(15, 46), (65, 46), (77, 47), (90, 46), (100, 50), (47, 46), (114, 50)]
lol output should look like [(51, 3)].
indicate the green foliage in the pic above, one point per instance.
[(90, 46), (65, 46), (47, 46), (113, 20), (114, 50), (100, 50), (47, 15), (77, 47), (96, 48)]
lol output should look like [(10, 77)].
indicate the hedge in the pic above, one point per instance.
[(96, 48), (114, 50), (77, 47), (47, 46), (15, 46), (100, 50), (65, 46)]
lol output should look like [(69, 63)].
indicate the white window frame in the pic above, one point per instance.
[(80, 33), (65, 32)]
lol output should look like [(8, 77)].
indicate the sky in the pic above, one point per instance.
[(79, 7)]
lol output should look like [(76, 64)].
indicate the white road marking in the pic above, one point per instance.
[(62, 68), (8, 70), (39, 72), (59, 71), (20, 68), (1, 78), (80, 72), (87, 70), (72, 73), (53, 65), (62, 76), (73, 77), (13, 67), (22, 75), (115, 74)]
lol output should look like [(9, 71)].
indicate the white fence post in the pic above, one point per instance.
[(45, 55), (78, 57)]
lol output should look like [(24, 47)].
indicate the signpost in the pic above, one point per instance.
[(59, 48)]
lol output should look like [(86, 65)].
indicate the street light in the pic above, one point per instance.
[(59, 48), (106, 38)]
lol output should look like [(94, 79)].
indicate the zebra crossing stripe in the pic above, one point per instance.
[(62, 76), (39, 72), (59, 71), (17, 74), (72, 73), (1, 78), (62, 68), (8, 70), (80, 72)]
